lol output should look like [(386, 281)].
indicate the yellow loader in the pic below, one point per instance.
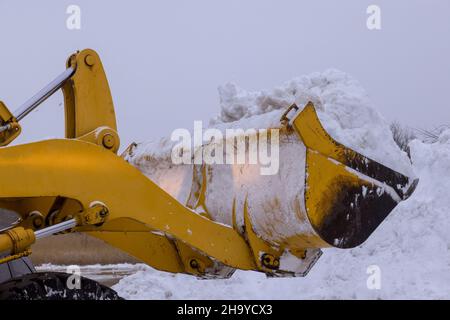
[(81, 184)]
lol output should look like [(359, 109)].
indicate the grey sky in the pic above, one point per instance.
[(165, 59)]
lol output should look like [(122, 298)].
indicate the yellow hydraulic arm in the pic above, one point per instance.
[(59, 179)]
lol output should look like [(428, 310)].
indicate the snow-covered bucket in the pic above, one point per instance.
[(314, 192)]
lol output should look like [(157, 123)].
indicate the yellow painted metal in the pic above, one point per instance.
[(87, 98), (155, 250), (347, 195), (16, 240), (96, 214), (61, 178), (143, 220), (5, 114), (314, 136), (16, 256), (80, 170), (266, 256), (8, 120), (319, 198), (6, 244), (196, 262)]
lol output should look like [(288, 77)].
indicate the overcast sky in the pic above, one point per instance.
[(165, 59)]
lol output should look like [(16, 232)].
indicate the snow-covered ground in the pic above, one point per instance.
[(410, 250), (107, 274)]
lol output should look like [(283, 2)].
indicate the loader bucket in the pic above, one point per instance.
[(347, 195)]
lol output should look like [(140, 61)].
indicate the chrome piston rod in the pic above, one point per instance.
[(43, 94), (59, 227)]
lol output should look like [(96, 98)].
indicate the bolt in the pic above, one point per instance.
[(38, 222), (194, 264), (89, 60), (276, 263), (103, 213), (108, 141), (270, 261)]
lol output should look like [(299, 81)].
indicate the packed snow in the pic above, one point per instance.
[(342, 104), (408, 256), (410, 249), (277, 213)]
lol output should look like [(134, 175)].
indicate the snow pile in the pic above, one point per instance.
[(342, 105), (341, 102), (277, 213), (411, 249)]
